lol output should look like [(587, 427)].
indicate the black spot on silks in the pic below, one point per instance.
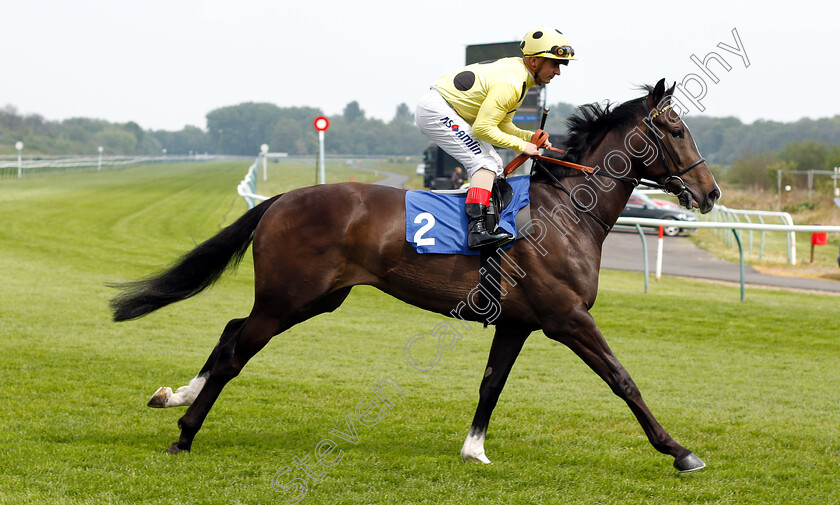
[(558, 31), (522, 45), (537, 35), (524, 90), (464, 80)]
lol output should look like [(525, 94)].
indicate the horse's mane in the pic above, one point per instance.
[(587, 127)]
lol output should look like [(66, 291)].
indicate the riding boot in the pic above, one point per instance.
[(478, 235)]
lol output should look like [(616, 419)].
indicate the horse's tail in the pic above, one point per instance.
[(192, 273)]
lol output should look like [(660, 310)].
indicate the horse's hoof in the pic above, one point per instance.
[(689, 463), (476, 458), (471, 455), (160, 397), (175, 449), (473, 449)]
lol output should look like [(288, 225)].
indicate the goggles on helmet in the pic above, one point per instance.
[(559, 51)]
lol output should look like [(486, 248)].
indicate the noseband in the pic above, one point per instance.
[(662, 147)]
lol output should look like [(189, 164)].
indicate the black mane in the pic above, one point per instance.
[(588, 125)]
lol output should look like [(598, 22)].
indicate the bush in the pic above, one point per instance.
[(799, 207)]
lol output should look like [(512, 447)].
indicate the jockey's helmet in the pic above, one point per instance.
[(548, 43)]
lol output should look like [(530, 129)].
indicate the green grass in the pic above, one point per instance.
[(750, 387)]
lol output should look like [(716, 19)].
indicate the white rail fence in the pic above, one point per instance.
[(790, 228), (247, 188), (723, 214), (47, 164)]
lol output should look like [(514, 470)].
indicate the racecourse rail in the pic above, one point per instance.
[(722, 213), (48, 164), (247, 189), (638, 222)]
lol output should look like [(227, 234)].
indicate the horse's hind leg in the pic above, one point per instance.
[(185, 395), (232, 355), (579, 332), (507, 342)]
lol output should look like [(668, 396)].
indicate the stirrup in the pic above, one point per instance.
[(478, 236), (487, 239)]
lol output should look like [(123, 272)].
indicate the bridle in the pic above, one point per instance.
[(663, 149), (540, 137)]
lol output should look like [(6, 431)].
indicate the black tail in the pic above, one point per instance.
[(193, 273)]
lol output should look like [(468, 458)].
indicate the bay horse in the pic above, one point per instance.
[(313, 244)]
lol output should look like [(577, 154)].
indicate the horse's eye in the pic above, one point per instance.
[(676, 132)]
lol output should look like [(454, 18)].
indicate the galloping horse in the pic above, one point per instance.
[(312, 245)]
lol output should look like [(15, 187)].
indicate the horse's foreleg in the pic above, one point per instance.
[(186, 395), (582, 336), (507, 342)]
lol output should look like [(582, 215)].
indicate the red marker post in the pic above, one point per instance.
[(321, 124)]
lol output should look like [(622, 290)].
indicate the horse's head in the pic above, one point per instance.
[(680, 168)]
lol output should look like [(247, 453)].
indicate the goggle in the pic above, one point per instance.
[(559, 51)]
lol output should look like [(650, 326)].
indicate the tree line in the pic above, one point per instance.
[(751, 154), (238, 129), (743, 153)]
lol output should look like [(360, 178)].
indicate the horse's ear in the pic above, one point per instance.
[(670, 91), (657, 94)]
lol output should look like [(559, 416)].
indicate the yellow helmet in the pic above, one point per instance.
[(547, 43)]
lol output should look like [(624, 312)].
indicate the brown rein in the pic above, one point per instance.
[(539, 139)]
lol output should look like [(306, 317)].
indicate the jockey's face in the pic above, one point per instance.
[(544, 68)]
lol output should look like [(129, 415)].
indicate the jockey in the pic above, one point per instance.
[(469, 110)]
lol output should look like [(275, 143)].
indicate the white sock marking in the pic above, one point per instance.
[(185, 395), (473, 449)]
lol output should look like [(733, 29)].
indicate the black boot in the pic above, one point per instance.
[(479, 236)]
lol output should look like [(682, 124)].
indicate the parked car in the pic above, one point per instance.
[(641, 205)]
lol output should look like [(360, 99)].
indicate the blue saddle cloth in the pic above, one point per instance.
[(436, 223)]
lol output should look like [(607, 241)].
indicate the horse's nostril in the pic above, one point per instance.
[(714, 195)]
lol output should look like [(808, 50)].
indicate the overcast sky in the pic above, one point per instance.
[(165, 64)]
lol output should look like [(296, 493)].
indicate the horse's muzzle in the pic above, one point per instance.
[(709, 202), (689, 200)]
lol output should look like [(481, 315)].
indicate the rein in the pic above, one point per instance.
[(540, 137), (580, 207)]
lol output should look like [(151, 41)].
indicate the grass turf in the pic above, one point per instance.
[(750, 387)]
